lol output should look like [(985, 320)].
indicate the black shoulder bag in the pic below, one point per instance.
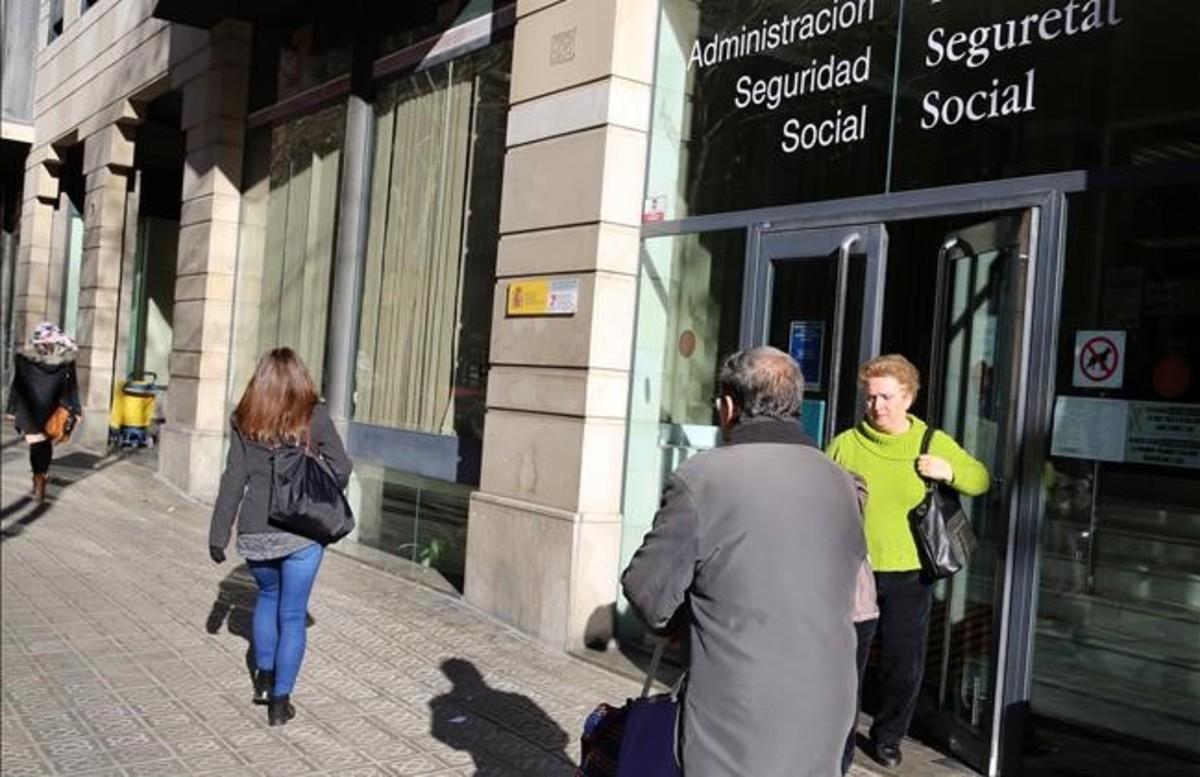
[(940, 528), (306, 498)]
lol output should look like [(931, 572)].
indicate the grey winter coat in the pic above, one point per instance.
[(41, 382), (756, 547), (246, 481)]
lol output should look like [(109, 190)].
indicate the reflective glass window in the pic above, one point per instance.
[(688, 320), (1116, 671), (289, 220)]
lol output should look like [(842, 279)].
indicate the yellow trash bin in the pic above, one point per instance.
[(132, 411)]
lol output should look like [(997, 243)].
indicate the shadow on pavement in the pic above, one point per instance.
[(15, 528), (456, 714), (88, 463), (15, 507), (234, 608), (78, 466)]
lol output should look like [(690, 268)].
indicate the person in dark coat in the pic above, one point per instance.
[(280, 407), (756, 549), (43, 379)]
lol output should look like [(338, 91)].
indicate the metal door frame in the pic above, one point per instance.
[(798, 245), (1046, 195)]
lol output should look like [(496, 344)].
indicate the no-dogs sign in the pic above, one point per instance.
[(1099, 359)]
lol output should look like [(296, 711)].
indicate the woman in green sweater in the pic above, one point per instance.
[(884, 450)]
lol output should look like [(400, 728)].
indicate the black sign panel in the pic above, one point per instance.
[(790, 100), (998, 88)]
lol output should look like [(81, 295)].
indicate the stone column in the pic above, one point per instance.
[(545, 527), (107, 163), (214, 110), (32, 273)]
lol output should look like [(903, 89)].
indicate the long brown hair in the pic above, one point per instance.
[(278, 403)]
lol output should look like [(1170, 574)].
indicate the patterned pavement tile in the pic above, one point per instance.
[(140, 753), (222, 762), (108, 667), (21, 768), (266, 754), (286, 768), (64, 747), (164, 768), (198, 746), (335, 760), (137, 738), (415, 765), (85, 762)]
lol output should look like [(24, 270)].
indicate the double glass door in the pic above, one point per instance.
[(950, 294)]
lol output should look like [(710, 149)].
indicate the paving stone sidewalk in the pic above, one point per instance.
[(125, 652)]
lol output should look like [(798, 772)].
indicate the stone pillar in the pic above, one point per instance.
[(107, 163), (214, 110), (32, 273), (545, 527)]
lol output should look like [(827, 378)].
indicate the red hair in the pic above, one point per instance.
[(278, 403)]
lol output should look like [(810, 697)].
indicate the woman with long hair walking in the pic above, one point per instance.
[(43, 381), (279, 407)]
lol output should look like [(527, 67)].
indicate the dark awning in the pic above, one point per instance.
[(206, 13)]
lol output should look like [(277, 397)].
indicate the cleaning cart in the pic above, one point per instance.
[(131, 422)]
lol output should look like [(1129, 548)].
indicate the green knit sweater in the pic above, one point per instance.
[(887, 463)]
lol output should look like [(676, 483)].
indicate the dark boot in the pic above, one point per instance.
[(263, 683), (39, 487), (280, 710)]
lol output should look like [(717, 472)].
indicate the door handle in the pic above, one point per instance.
[(839, 321)]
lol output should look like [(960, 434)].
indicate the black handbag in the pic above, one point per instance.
[(940, 528), (306, 498)]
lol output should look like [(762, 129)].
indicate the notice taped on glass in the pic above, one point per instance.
[(1086, 428), (1163, 433), (1158, 433)]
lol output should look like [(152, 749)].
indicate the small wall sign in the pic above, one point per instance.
[(543, 297), (1099, 359), (806, 344)]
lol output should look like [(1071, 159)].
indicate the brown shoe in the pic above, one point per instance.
[(39, 487)]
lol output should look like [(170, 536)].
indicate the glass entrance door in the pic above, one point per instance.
[(950, 294), (974, 368), (816, 294)]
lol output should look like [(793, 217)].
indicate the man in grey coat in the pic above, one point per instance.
[(755, 549)]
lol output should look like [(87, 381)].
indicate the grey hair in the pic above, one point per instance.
[(762, 381)]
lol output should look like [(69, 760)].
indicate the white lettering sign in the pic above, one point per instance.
[(976, 47)]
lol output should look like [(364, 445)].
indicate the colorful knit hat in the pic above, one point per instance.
[(48, 339)]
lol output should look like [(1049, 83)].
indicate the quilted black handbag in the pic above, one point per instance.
[(306, 498), (940, 528)]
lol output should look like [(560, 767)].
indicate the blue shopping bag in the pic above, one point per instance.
[(637, 739), (648, 746)]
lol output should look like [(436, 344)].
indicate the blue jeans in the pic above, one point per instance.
[(281, 613)]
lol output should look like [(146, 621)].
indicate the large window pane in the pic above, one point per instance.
[(425, 319), (287, 241), (426, 308), (688, 319), (1117, 648), (416, 518)]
